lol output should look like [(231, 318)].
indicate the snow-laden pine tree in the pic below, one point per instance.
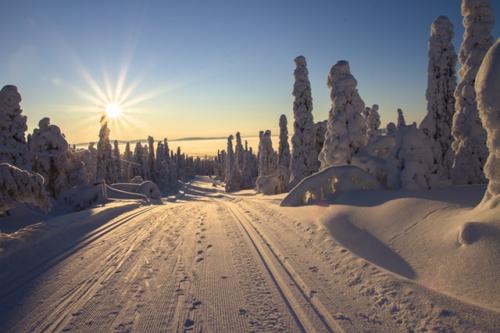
[(127, 167), (346, 127), (304, 161), (410, 162), (284, 147), (267, 163), (104, 169), (90, 161), (21, 186), (487, 88), (50, 153), (140, 161), (469, 136), (151, 159), (13, 147), (441, 84), (401, 119), (320, 131), (239, 153), (117, 162), (232, 176), (372, 123), (162, 167)]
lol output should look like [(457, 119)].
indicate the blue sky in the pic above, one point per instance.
[(208, 68)]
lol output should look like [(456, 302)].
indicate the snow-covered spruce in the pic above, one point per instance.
[(232, 176), (284, 147), (13, 147), (117, 161), (346, 127), (487, 87), (320, 131), (51, 156), (469, 136), (441, 84), (162, 167), (304, 157), (151, 159), (139, 165), (105, 169), (401, 119), (372, 123), (20, 186), (410, 162), (273, 178)]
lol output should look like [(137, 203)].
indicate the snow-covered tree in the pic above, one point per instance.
[(232, 176), (90, 161), (151, 159), (117, 162), (239, 153), (346, 127), (411, 160), (284, 147), (13, 147), (140, 162), (162, 167), (50, 153), (105, 169), (487, 87), (320, 131), (441, 84), (304, 160), (469, 136), (401, 119), (20, 186), (372, 123), (266, 163)]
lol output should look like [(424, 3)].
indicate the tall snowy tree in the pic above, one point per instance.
[(232, 177), (104, 169), (411, 160), (140, 161), (441, 84), (90, 161), (162, 167), (151, 159), (372, 123), (304, 160), (346, 128), (50, 153), (13, 147), (267, 163), (487, 88), (284, 147), (117, 162), (469, 136), (401, 119)]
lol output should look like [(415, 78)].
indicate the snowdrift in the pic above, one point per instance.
[(328, 181), (435, 237), (146, 188)]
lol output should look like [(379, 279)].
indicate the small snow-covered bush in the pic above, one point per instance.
[(147, 188), (85, 196), (328, 181), (20, 186)]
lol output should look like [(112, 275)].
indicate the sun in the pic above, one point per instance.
[(113, 110)]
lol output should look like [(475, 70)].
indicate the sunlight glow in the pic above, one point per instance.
[(113, 110)]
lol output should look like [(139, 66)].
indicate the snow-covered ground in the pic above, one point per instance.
[(213, 262)]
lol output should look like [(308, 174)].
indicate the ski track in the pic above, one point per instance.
[(219, 263)]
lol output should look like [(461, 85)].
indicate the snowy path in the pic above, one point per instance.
[(217, 263)]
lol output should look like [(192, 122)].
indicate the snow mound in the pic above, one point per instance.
[(84, 196), (20, 186), (328, 181), (435, 237), (146, 188)]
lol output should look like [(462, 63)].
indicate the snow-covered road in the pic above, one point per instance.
[(217, 263)]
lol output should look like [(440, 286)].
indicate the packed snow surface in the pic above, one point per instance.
[(376, 261)]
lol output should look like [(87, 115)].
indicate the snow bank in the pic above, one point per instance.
[(488, 99), (329, 181), (20, 186)]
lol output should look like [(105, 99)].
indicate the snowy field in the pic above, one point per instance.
[(214, 262)]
